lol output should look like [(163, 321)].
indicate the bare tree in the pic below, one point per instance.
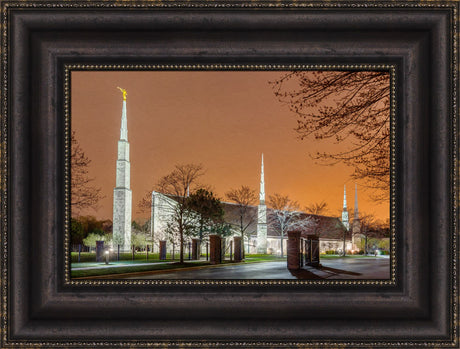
[(346, 106), (244, 197), (83, 194), (284, 216), (317, 208), (371, 227), (177, 185)]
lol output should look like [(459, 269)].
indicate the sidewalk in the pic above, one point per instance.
[(119, 264)]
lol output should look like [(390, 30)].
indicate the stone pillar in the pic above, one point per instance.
[(196, 249), (99, 251), (293, 250), (215, 249), (237, 254), (162, 250)]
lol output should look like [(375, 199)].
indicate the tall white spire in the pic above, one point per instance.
[(262, 215), (262, 183), (122, 195), (345, 221)]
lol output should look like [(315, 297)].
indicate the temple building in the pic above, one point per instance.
[(122, 195), (260, 235)]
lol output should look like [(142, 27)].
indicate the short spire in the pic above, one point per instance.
[(344, 197), (262, 183)]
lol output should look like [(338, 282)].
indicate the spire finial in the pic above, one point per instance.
[(344, 196), (124, 92), (124, 120)]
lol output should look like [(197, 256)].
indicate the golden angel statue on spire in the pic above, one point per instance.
[(124, 92)]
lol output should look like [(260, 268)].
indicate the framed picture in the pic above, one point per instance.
[(194, 186), (188, 174)]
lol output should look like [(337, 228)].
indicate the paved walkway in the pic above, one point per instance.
[(123, 264), (340, 268)]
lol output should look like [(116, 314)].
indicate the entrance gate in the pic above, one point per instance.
[(302, 250)]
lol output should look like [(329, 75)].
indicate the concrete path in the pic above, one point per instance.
[(340, 268), (125, 264)]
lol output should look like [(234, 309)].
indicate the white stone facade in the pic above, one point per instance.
[(162, 210), (122, 195)]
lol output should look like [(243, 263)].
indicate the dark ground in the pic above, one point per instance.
[(337, 268)]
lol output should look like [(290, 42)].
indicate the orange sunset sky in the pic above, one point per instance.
[(223, 120)]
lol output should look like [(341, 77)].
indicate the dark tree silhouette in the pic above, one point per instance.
[(83, 194), (350, 107), (317, 208), (208, 210)]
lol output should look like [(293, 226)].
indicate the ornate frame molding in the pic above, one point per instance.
[(42, 307)]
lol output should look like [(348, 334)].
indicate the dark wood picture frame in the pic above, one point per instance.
[(40, 307)]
